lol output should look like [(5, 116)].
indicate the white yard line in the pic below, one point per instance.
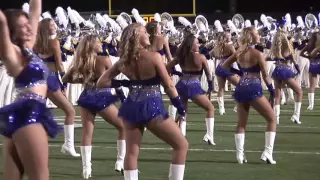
[(60, 120), (200, 150)]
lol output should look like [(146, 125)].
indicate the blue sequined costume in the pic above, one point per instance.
[(28, 107), (314, 65), (223, 72), (249, 88), (189, 85), (144, 102), (96, 99), (54, 83), (282, 70)]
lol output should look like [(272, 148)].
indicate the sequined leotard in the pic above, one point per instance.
[(248, 88), (144, 102), (28, 107), (189, 85)]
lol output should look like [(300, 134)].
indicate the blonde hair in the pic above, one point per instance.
[(245, 39), (42, 39), (220, 45), (84, 61), (279, 43), (130, 46)]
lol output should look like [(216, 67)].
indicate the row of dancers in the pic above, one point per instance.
[(33, 59)]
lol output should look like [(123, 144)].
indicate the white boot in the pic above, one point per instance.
[(311, 101), (268, 149), (131, 174), (86, 161), (183, 127), (176, 171), (239, 140), (235, 109), (296, 115), (172, 111), (277, 112), (121, 147), (221, 105), (283, 98), (290, 96), (209, 137), (68, 146)]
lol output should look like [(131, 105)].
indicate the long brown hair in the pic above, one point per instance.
[(42, 41), (12, 15), (184, 52), (152, 30)]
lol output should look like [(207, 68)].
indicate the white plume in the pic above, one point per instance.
[(157, 17), (73, 18), (288, 20), (46, 15), (172, 28), (293, 26), (232, 26), (114, 25), (26, 8), (61, 16), (137, 16), (184, 21), (300, 22), (80, 18), (247, 23), (256, 23), (218, 25), (102, 22), (264, 20), (122, 22)]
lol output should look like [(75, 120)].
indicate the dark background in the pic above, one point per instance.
[(182, 6), (212, 9)]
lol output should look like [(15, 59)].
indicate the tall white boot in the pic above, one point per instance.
[(209, 137), (239, 141), (268, 149), (131, 174), (290, 96), (183, 127), (221, 105), (121, 147), (277, 112), (68, 146), (296, 115), (86, 161), (172, 111), (176, 171), (283, 98), (311, 101)]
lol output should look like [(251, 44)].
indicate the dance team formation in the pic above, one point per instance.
[(66, 60)]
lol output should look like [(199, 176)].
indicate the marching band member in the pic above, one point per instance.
[(249, 92), (144, 105), (282, 52), (26, 123), (193, 64), (86, 68), (49, 50)]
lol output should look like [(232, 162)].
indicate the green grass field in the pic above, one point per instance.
[(297, 149)]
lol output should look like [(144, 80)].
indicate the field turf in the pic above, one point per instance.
[(297, 149)]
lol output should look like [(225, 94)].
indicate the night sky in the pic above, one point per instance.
[(175, 6)]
